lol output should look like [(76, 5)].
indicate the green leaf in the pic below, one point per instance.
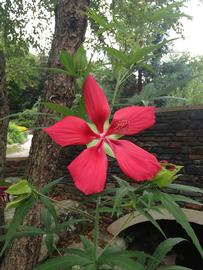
[(81, 108), (139, 255), (87, 245), (46, 219), (48, 204), (123, 57), (124, 263), (186, 188), (98, 18), (67, 60), (90, 267), (53, 70), (20, 213), (139, 53), (65, 224), (63, 263), (58, 108), (182, 198), (153, 221), (22, 187), (47, 188), (49, 242), (24, 233), (176, 267), (162, 251), (124, 190), (80, 60), (75, 251), (180, 217), (14, 203)]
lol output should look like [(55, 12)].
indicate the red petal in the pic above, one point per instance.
[(96, 103), (89, 170), (134, 161), (132, 120), (71, 130)]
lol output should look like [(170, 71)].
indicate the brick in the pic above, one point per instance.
[(196, 157)]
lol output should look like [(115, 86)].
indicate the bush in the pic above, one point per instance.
[(15, 134), (28, 117)]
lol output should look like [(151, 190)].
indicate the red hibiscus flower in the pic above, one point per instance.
[(89, 169)]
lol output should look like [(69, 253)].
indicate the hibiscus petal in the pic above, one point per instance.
[(71, 130), (89, 170), (96, 103), (134, 161), (132, 120)]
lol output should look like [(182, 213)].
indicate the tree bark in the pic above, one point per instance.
[(3, 131), (70, 29), (3, 113)]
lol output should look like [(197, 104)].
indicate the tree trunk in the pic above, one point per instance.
[(70, 28), (3, 113), (3, 131)]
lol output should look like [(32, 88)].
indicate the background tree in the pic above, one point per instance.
[(69, 33), (3, 113), (147, 23)]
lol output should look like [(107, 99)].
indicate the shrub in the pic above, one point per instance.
[(28, 117), (15, 134)]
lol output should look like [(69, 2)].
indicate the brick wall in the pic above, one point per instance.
[(177, 137)]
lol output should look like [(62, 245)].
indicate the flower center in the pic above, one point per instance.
[(102, 135)]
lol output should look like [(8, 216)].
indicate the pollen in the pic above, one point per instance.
[(121, 124)]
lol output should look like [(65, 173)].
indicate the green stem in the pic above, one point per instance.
[(121, 78), (96, 228), (73, 209)]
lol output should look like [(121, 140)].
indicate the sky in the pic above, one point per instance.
[(193, 42)]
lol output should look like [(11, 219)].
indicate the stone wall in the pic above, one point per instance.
[(16, 167), (178, 137)]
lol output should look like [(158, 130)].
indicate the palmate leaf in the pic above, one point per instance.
[(20, 213), (80, 60), (25, 233), (67, 60), (60, 226), (49, 242), (182, 198), (64, 263), (186, 188), (46, 218), (48, 204), (139, 255), (176, 267), (123, 190), (174, 209), (123, 262), (100, 20), (47, 188), (87, 245), (162, 251), (153, 221), (76, 251), (123, 57), (90, 267)]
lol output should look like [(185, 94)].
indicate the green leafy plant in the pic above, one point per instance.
[(15, 135)]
